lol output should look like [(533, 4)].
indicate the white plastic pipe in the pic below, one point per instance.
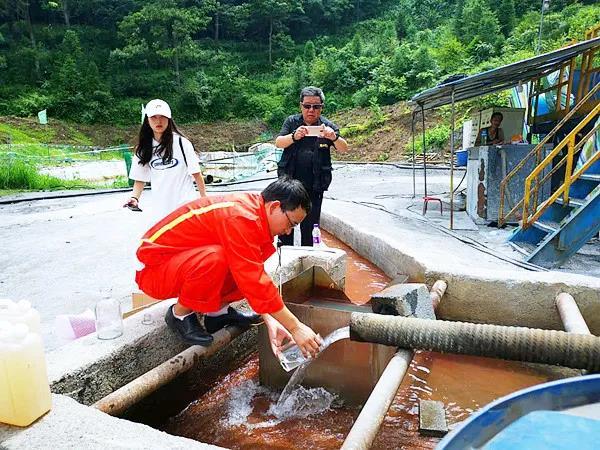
[(570, 315), (369, 420), (123, 398), (437, 292), (371, 416)]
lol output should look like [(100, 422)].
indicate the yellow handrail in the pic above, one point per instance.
[(559, 191), (569, 142), (536, 151)]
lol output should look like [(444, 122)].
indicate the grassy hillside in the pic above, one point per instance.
[(374, 134)]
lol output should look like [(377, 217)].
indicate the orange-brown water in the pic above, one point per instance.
[(462, 383)]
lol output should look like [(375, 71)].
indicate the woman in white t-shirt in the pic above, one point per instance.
[(166, 158)]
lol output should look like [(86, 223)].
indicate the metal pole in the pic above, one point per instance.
[(424, 155), (452, 164), (412, 128), (545, 4)]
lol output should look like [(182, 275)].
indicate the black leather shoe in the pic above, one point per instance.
[(188, 329), (231, 317)]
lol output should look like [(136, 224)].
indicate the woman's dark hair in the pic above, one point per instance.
[(497, 114), (144, 150), (289, 192)]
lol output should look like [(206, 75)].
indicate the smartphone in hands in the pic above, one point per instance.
[(315, 130)]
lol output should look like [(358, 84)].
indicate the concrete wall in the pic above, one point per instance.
[(518, 299), (506, 296)]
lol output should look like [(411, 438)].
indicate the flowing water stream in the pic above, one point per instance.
[(303, 363)]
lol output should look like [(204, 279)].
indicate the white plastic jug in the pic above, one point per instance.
[(24, 390), (20, 312)]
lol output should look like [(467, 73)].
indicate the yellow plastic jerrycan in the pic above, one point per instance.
[(24, 390)]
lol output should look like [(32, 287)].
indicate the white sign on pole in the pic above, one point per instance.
[(43, 117)]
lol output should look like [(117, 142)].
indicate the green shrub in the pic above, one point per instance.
[(16, 174), (436, 139)]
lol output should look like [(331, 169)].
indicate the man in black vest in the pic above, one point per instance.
[(307, 154)]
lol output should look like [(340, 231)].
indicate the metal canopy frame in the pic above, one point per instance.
[(500, 78), (484, 83)]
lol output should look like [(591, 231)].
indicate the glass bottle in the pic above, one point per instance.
[(109, 319)]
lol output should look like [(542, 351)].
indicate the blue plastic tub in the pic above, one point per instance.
[(461, 158), (560, 415)]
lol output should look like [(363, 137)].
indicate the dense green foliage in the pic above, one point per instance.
[(96, 61)]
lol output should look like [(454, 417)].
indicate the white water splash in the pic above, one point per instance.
[(303, 402), (298, 376), (240, 402), (300, 404)]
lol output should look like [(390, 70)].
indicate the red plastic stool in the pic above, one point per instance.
[(431, 199)]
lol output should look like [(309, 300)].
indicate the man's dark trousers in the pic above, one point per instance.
[(306, 227)]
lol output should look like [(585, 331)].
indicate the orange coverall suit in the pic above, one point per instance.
[(211, 252)]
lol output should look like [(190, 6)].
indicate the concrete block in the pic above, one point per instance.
[(408, 300), (295, 260), (71, 426), (432, 418)]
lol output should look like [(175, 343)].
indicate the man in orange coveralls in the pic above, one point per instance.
[(211, 252)]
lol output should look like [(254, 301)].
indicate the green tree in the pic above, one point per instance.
[(19, 12), (230, 17), (507, 16), (63, 6), (449, 53), (76, 85), (310, 52), (479, 28), (273, 14), (163, 29)]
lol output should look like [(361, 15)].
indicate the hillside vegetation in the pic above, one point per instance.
[(97, 61)]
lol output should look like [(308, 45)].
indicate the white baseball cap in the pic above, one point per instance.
[(158, 107)]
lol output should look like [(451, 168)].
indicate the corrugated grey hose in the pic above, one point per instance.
[(515, 343)]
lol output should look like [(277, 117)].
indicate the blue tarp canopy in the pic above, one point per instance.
[(501, 78)]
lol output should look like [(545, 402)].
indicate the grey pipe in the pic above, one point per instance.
[(117, 402), (514, 343), (367, 424), (570, 315)]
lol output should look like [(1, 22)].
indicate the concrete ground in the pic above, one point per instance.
[(65, 254)]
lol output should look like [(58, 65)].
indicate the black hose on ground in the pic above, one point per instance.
[(515, 343)]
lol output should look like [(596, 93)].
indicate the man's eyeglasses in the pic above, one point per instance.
[(316, 107), (292, 224)]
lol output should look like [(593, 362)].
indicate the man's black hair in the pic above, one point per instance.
[(497, 114), (289, 192)]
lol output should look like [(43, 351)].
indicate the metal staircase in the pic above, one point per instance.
[(570, 217), (553, 230)]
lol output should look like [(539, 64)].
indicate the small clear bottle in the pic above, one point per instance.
[(484, 136), (316, 236), (109, 319)]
